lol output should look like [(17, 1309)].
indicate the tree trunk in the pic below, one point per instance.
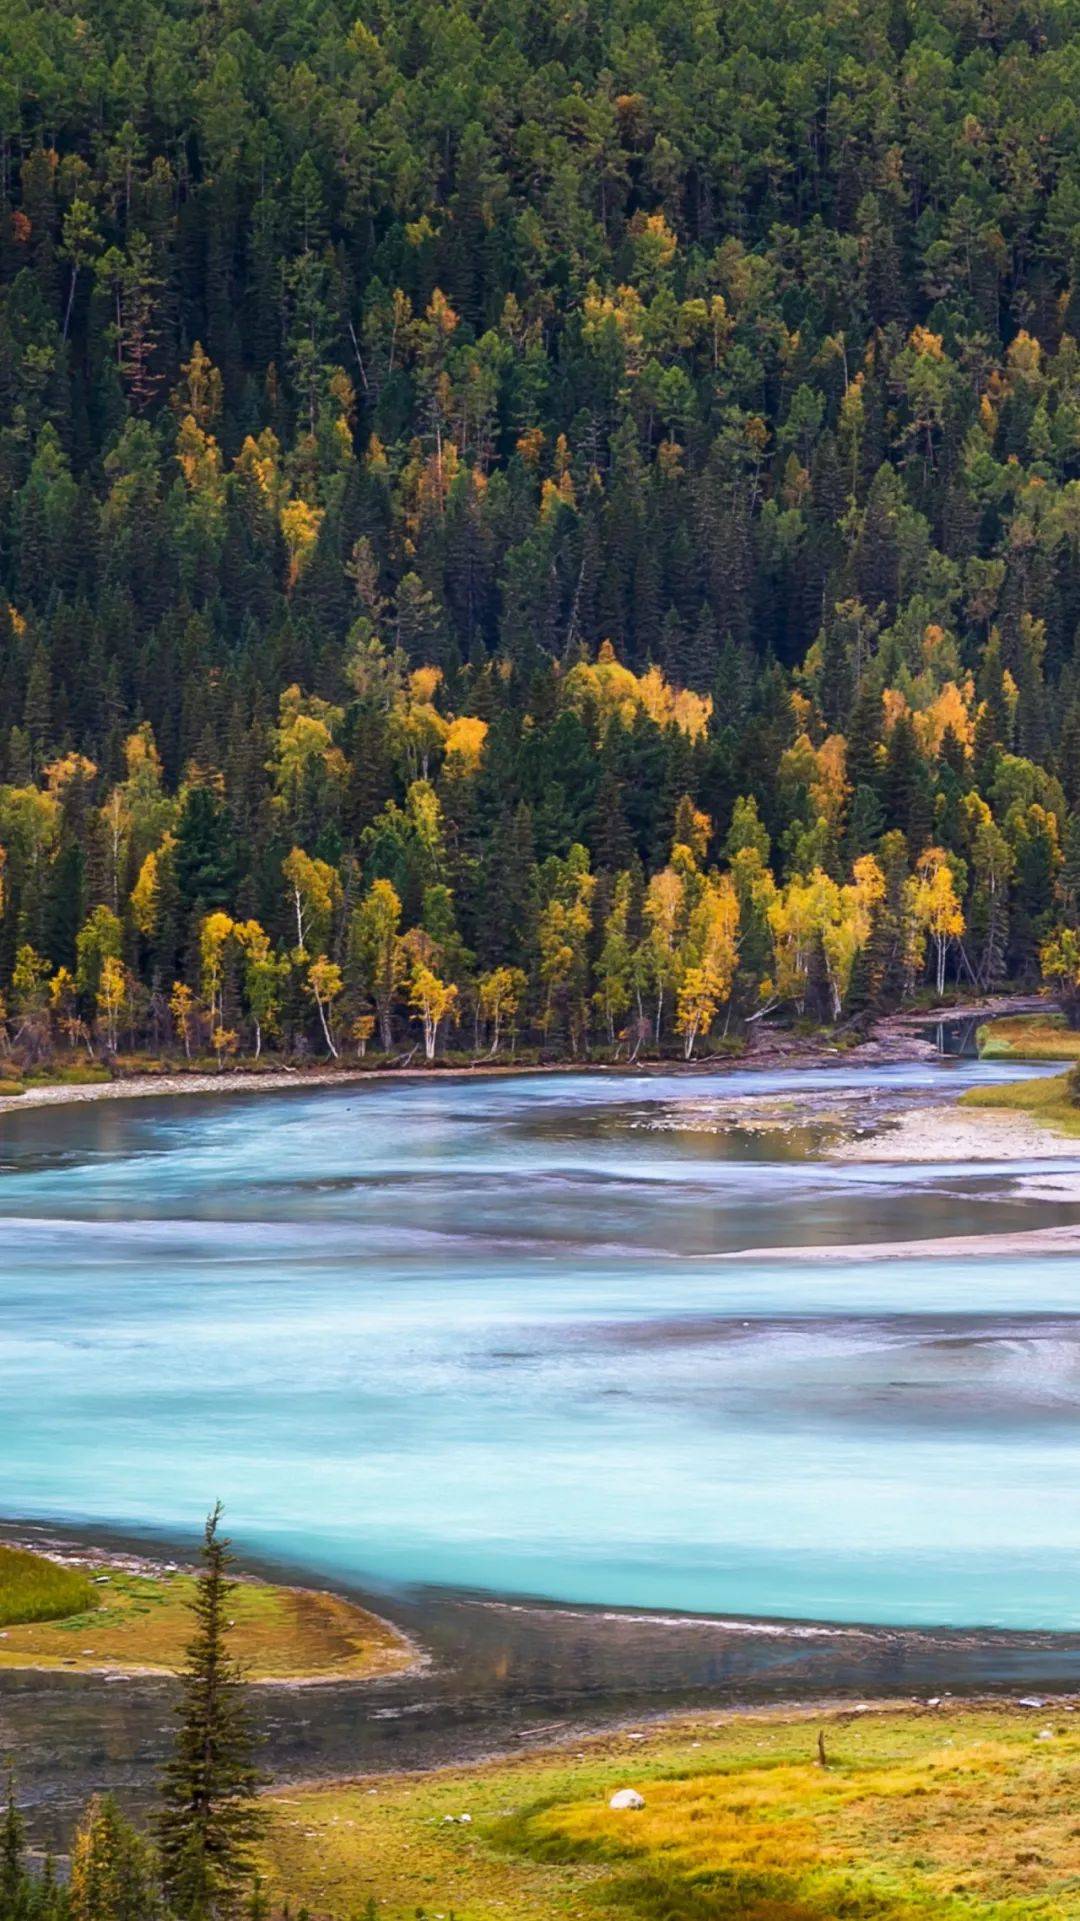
[(325, 1027), (70, 300)]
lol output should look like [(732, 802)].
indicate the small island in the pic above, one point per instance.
[(87, 1612)]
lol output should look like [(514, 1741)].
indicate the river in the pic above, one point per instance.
[(453, 1342)]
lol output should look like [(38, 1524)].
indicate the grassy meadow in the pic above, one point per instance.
[(33, 1588), (1029, 1037), (56, 1616), (962, 1814), (1046, 1098)]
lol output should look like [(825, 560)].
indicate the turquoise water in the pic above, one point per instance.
[(491, 1334)]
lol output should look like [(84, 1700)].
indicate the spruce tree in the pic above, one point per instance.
[(12, 1833), (113, 1871), (209, 1818)]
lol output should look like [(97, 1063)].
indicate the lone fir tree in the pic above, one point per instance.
[(210, 1817)]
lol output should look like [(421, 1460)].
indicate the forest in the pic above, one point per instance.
[(549, 525)]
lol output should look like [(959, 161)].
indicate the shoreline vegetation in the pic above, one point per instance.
[(787, 1812), (891, 1039), (784, 1814), (1016, 1121), (83, 1610)]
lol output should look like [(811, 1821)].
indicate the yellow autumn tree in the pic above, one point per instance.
[(418, 731), (184, 1012), (662, 911), (700, 994), (316, 895), (1059, 959), (499, 994), (300, 525), (562, 935), (936, 907), (816, 915), (307, 768), (846, 923), (613, 692), (112, 990), (433, 1000), (215, 936), (146, 893), (324, 984), (375, 951), (708, 957), (794, 916), (464, 743)]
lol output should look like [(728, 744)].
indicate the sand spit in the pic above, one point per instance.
[(1037, 1240), (958, 1135)]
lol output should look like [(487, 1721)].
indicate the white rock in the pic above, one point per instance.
[(1045, 1734), (1031, 1701), (627, 1798)]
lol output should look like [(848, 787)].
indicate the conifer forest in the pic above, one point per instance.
[(551, 525)]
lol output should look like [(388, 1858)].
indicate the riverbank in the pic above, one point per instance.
[(158, 1086), (1045, 1036), (793, 1814), (504, 1678), (501, 1673), (129, 1615), (961, 1132), (892, 1040)]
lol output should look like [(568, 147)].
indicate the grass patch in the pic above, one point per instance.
[(112, 1617), (79, 1074), (1029, 1037), (962, 1816), (11, 1087), (33, 1588), (1046, 1099)]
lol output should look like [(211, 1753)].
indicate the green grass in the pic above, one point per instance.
[(78, 1074), (1046, 1099), (35, 1589), (1029, 1037), (921, 1815), (114, 1617)]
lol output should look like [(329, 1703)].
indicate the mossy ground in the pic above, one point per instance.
[(1029, 1037), (966, 1814), (114, 1617)]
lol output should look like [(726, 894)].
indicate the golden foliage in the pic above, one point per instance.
[(615, 692)]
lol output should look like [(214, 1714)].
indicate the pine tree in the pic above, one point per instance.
[(209, 1818), (12, 1832), (113, 1871)]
